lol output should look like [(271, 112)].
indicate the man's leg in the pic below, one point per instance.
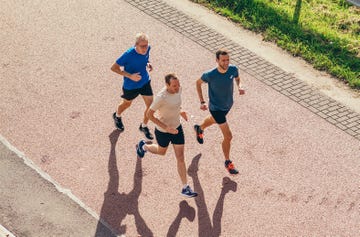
[(181, 167), (199, 129), (163, 140), (117, 115), (123, 106), (155, 149), (226, 143), (208, 121), (143, 126), (148, 99)]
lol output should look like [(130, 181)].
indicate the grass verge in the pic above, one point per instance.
[(326, 33)]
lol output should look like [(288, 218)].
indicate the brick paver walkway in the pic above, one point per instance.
[(281, 81)]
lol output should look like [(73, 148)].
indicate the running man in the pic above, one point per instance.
[(220, 82), (168, 128), (135, 62)]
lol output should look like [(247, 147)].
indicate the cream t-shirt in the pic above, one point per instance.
[(168, 108)]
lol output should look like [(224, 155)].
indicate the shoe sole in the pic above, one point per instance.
[(120, 129), (232, 173), (188, 196)]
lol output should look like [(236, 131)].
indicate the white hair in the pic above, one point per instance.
[(141, 37)]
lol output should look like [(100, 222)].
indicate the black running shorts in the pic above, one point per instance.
[(219, 116), (132, 94), (163, 138)]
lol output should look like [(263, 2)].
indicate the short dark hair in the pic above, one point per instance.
[(170, 76), (221, 52)]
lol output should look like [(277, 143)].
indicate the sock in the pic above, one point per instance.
[(118, 115), (143, 125), (185, 185)]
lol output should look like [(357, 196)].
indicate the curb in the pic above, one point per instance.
[(4, 232)]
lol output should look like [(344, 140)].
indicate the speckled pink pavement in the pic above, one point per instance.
[(299, 175)]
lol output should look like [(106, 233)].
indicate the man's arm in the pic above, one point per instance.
[(203, 105), (183, 114), (150, 115), (117, 69), (238, 83)]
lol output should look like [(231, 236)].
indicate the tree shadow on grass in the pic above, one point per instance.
[(118, 205), (206, 227), (297, 12)]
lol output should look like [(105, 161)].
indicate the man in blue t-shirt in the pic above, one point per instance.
[(133, 65), (220, 82)]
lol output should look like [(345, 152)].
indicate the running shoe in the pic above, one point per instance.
[(118, 123), (140, 149), (146, 131), (199, 134), (187, 192), (229, 165)]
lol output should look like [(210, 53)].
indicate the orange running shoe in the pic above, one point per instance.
[(231, 167)]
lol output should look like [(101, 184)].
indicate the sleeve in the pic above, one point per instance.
[(156, 104), (236, 72), (123, 59), (205, 77)]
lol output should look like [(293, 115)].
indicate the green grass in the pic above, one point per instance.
[(326, 33)]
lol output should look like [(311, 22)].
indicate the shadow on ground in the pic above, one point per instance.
[(118, 205), (206, 228)]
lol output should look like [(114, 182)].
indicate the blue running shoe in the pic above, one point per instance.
[(187, 192), (140, 149)]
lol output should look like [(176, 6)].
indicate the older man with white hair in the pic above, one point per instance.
[(134, 66)]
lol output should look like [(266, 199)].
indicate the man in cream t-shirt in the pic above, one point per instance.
[(168, 128)]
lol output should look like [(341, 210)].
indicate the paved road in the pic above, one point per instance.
[(31, 204), (297, 150)]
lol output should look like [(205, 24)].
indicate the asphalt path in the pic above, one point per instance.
[(299, 174), (32, 204)]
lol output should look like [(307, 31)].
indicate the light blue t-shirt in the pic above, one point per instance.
[(220, 88), (134, 62)]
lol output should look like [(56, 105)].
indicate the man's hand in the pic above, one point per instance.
[(183, 114), (150, 67), (172, 130), (203, 106), (135, 76), (241, 91)]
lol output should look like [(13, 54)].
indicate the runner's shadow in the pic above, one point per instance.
[(185, 211), (206, 228), (118, 205)]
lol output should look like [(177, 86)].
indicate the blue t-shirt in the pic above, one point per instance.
[(220, 88), (134, 62)]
